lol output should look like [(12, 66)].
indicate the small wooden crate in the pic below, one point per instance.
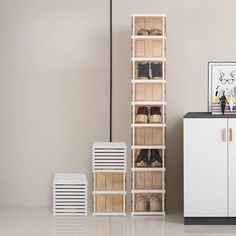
[(148, 180), (149, 136), (109, 203), (110, 181), (70, 194), (149, 92), (109, 178), (148, 48)]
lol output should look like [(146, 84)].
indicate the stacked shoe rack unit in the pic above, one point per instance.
[(70, 194), (109, 178), (148, 130)]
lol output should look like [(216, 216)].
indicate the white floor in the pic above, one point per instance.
[(35, 221)]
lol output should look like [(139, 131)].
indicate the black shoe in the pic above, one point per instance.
[(156, 69), (143, 71), (155, 158), (142, 159)]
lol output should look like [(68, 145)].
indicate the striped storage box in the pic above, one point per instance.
[(70, 194)]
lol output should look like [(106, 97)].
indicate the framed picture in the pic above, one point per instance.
[(222, 87)]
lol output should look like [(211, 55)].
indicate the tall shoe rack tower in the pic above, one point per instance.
[(148, 182), (109, 178)]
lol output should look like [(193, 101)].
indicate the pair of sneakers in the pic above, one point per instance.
[(143, 204), (151, 70), (145, 160), (153, 31), (148, 115)]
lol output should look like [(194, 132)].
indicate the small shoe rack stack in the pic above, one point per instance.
[(148, 123), (109, 178), (70, 194)]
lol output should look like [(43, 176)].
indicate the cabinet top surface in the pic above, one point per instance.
[(206, 115)]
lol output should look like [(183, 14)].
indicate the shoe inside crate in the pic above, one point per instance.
[(149, 70), (149, 114), (148, 25), (148, 158), (148, 202)]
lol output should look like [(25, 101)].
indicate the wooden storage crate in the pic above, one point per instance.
[(149, 92), (109, 181), (149, 136), (147, 197), (148, 48), (109, 203), (148, 180), (148, 23), (109, 178), (70, 194)]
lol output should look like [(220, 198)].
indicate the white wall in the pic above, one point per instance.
[(54, 90), (54, 93)]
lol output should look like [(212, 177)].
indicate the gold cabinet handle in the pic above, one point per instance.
[(224, 134), (230, 134)]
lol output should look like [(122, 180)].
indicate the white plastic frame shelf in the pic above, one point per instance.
[(109, 192), (148, 147), (148, 125), (148, 81), (109, 214), (160, 213), (148, 15), (148, 37), (140, 169), (148, 191), (148, 59), (148, 21), (148, 103)]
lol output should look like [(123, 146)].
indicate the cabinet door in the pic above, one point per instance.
[(232, 167), (205, 167)]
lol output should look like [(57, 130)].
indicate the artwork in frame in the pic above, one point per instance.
[(222, 87)]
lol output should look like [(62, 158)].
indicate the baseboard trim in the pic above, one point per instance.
[(210, 220)]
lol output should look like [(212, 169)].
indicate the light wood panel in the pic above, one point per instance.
[(148, 180), (148, 136), (148, 48), (109, 203)]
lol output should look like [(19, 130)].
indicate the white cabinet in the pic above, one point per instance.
[(232, 167), (209, 166)]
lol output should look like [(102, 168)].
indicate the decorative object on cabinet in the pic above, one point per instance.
[(148, 114), (70, 194), (209, 168), (109, 178), (222, 87)]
